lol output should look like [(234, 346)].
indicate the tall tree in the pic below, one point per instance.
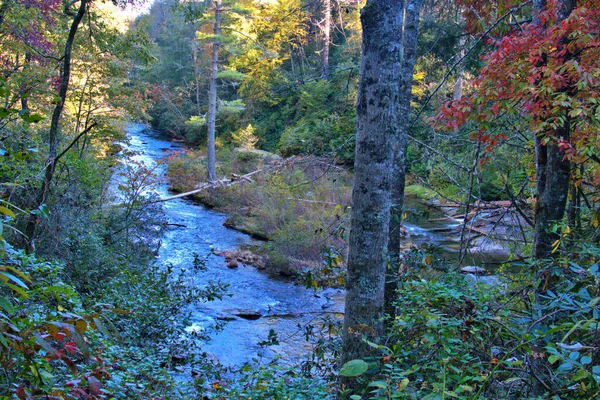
[(378, 108), (212, 96), (326, 31), (409, 48)]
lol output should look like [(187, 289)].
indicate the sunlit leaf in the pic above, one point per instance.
[(354, 368)]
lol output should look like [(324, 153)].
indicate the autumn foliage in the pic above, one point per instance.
[(546, 72)]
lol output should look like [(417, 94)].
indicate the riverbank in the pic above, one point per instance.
[(297, 207)]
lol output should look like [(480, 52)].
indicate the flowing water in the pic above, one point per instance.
[(258, 302), (265, 301)]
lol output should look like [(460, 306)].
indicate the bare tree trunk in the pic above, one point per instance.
[(377, 124), (409, 43), (54, 124), (212, 96), (195, 48), (326, 38)]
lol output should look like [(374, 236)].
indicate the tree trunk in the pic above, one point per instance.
[(409, 43), (553, 170), (326, 38), (54, 124), (377, 124), (212, 96)]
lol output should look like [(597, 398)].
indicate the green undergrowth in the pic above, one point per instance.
[(532, 335), (420, 192), (300, 206)]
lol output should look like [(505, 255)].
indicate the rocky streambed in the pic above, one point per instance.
[(258, 304)]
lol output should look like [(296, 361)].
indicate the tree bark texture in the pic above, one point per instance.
[(326, 38), (53, 133), (553, 170), (409, 43), (212, 96), (377, 124)]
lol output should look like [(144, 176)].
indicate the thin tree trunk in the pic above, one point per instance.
[(409, 43), (23, 87), (212, 96), (195, 47), (54, 124), (377, 123), (326, 38)]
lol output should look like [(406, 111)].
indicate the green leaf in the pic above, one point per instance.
[(3, 340), (17, 289), (354, 368), (567, 366), (355, 397), (5, 276), (5, 304), (403, 384), (32, 118), (4, 112), (379, 384), (42, 210), (15, 271), (585, 360), (579, 375)]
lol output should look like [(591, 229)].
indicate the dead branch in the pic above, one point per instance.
[(225, 182)]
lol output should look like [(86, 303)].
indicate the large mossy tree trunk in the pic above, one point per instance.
[(212, 96), (409, 43), (377, 123)]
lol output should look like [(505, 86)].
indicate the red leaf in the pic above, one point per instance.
[(95, 385), (21, 392), (72, 348)]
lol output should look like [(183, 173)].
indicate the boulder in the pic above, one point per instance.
[(473, 269)]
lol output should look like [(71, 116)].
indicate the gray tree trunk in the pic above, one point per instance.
[(326, 38), (212, 96), (377, 121), (409, 42), (553, 171)]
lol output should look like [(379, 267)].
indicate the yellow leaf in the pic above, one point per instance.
[(52, 330), (60, 308), (81, 325), (7, 212)]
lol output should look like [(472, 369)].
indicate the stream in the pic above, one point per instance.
[(259, 302)]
